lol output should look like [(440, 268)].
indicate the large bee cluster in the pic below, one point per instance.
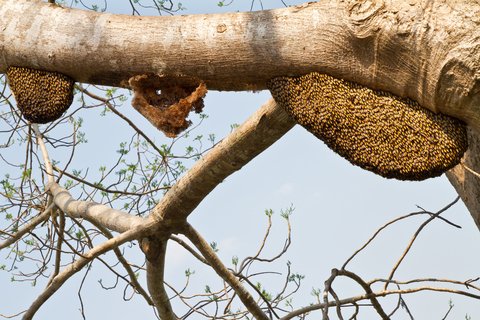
[(391, 136), (42, 96)]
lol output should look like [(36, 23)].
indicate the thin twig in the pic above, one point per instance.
[(58, 253), (410, 244), (28, 227), (114, 110), (133, 279), (189, 249)]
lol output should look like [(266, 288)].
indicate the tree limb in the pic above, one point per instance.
[(258, 133), (410, 48), (82, 261), (112, 219), (223, 272), (155, 278)]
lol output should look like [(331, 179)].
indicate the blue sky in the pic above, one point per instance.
[(337, 208)]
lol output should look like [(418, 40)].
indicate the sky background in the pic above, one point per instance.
[(337, 208)]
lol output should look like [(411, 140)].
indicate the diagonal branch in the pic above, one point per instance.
[(255, 135), (82, 261), (126, 265), (203, 246), (43, 148), (414, 237)]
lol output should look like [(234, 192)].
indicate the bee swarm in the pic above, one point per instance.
[(42, 96), (392, 136)]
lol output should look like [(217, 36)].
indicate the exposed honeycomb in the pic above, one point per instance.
[(378, 131), (167, 105), (42, 96)]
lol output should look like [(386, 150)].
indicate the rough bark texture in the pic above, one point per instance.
[(467, 183), (426, 50)]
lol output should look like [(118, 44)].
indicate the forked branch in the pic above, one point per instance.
[(204, 247), (82, 261)]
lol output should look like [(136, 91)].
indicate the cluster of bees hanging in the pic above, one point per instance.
[(392, 136), (42, 96)]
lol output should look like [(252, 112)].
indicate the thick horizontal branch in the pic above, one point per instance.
[(107, 217), (428, 51)]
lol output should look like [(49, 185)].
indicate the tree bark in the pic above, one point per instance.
[(465, 178), (426, 50)]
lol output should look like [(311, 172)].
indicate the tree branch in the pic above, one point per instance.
[(43, 148), (258, 133), (112, 219), (28, 227), (223, 272), (133, 278), (155, 279), (355, 299), (414, 237), (82, 261), (242, 51)]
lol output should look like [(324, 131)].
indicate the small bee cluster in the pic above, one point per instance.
[(42, 96), (392, 136)]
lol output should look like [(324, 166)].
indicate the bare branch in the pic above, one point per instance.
[(391, 223), (28, 227), (156, 251), (189, 249), (355, 299), (410, 244), (133, 278), (259, 132), (82, 261), (112, 219), (58, 250), (43, 148), (203, 246)]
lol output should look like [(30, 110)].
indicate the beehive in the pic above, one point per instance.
[(392, 136), (42, 96)]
